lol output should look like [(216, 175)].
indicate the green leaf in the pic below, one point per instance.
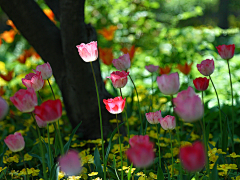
[(214, 174), (169, 177), (224, 137), (129, 172), (160, 175), (110, 142), (53, 173), (67, 145), (97, 162), (1, 155)]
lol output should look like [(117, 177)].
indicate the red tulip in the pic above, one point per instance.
[(201, 84), (70, 163), (226, 51), (185, 69), (106, 55), (25, 100), (49, 111), (15, 142), (193, 158), (119, 79), (40, 122), (88, 52), (138, 139), (154, 117), (206, 67), (116, 105), (164, 70), (34, 81), (130, 51)]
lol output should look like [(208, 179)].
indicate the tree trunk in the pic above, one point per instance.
[(223, 13), (58, 47)]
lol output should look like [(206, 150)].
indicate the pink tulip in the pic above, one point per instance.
[(193, 158), (45, 69), (168, 84), (88, 52), (119, 79), (34, 81), (138, 139), (15, 142), (168, 122), (206, 67), (70, 163), (122, 63), (226, 51), (116, 105), (49, 111), (3, 108), (154, 117), (151, 68), (40, 123), (141, 153), (188, 105), (25, 100), (201, 84)]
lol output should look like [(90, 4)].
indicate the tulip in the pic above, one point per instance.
[(154, 117), (201, 84), (188, 105), (116, 105), (151, 68), (70, 163), (25, 100), (141, 153), (8, 77), (108, 33), (49, 111), (185, 69), (3, 108), (226, 51), (88, 52), (193, 158), (138, 139), (206, 67), (122, 63), (130, 51), (33, 80), (165, 70), (119, 79), (45, 69), (40, 123), (15, 142), (168, 84), (106, 55), (168, 122)]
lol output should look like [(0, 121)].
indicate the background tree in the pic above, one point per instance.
[(57, 45)]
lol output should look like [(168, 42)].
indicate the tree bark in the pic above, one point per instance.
[(58, 47), (223, 13)]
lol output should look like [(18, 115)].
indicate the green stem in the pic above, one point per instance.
[(159, 151), (172, 153), (140, 116), (205, 141), (232, 106), (49, 147), (100, 116), (126, 115), (41, 148), (51, 88), (40, 96), (59, 137), (24, 164), (152, 95), (220, 119), (120, 149)]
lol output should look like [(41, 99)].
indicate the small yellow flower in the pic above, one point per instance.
[(93, 174), (60, 175), (219, 151), (213, 158), (7, 153), (1, 169), (27, 157), (167, 155), (132, 170), (152, 175), (114, 121), (74, 177), (124, 168), (233, 155)]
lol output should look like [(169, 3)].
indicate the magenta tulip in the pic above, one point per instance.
[(45, 69), (168, 122), (116, 105), (34, 81), (15, 142), (122, 63), (188, 105), (3, 108), (154, 117), (168, 84), (25, 100), (151, 68), (206, 67)]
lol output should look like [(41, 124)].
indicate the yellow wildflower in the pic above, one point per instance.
[(1, 169), (132, 170), (93, 174), (233, 155), (219, 151), (152, 175), (27, 157), (88, 159), (74, 177), (213, 158), (60, 175), (167, 155)]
